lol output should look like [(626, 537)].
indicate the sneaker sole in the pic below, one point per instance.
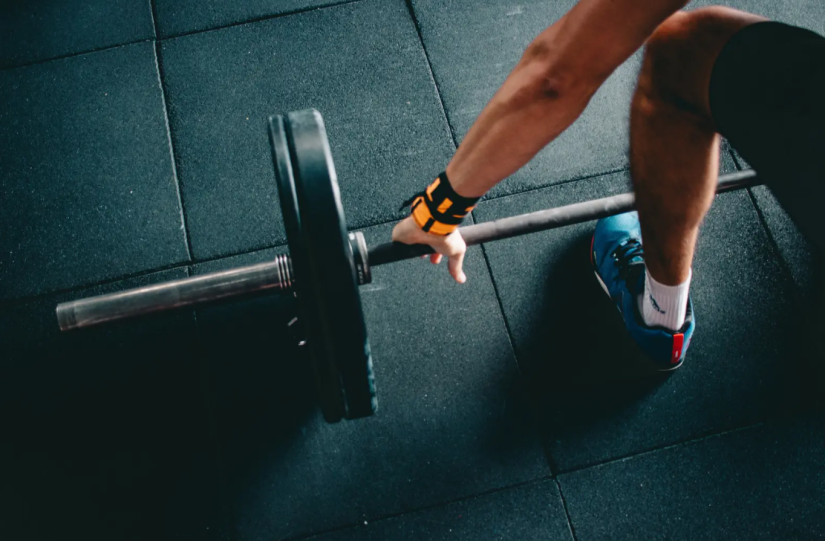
[(607, 291)]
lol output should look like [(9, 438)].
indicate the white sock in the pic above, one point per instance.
[(664, 306)]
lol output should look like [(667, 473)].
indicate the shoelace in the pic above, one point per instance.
[(627, 257)]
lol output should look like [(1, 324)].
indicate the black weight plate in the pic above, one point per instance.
[(327, 378), (330, 268)]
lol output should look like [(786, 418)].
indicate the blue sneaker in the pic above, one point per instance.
[(618, 260)]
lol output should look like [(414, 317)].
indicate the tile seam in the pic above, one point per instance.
[(253, 20), (555, 184), (73, 55), (570, 524), (673, 445), (158, 37), (433, 78), (172, 154), (471, 497), (154, 19), (508, 331)]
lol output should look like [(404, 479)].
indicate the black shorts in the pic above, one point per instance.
[(767, 97)]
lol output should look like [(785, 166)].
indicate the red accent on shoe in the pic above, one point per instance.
[(592, 242), (678, 342)]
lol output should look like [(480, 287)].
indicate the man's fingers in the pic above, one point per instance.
[(451, 246), (455, 264)]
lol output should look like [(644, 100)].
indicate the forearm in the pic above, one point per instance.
[(551, 86), (529, 111)]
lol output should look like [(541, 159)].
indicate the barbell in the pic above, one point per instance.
[(326, 264)]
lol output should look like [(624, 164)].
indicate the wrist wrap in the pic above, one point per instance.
[(439, 210)]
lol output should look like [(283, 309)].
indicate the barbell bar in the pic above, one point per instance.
[(326, 264), (277, 276)]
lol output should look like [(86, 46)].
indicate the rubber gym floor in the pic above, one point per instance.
[(133, 150)]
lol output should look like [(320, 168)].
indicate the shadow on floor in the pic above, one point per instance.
[(584, 369), (103, 433), (261, 382), (259, 371), (116, 432), (579, 342), (810, 302), (580, 363)]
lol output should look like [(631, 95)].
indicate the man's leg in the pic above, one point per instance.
[(766, 97), (758, 83), (674, 151)]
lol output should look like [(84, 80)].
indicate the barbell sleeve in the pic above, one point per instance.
[(542, 220), (273, 275)]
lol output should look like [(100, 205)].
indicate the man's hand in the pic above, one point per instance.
[(452, 246)]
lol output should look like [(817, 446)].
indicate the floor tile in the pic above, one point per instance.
[(530, 512), (451, 420), (104, 430), (762, 483), (804, 265), (795, 249), (32, 31), (600, 398), (473, 47), (727, 164), (89, 191), (182, 16), (360, 64)]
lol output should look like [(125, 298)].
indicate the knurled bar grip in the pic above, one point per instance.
[(542, 220), (273, 275)]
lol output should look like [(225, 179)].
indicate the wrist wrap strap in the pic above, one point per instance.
[(438, 210)]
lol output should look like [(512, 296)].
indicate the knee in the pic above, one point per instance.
[(668, 52), (680, 54)]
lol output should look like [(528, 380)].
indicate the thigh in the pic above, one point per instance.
[(766, 96)]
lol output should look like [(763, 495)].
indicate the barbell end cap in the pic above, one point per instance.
[(66, 317)]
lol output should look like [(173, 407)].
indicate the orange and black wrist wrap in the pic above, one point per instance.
[(438, 210)]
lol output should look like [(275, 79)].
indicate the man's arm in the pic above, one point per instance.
[(545, 93), (551, 86)]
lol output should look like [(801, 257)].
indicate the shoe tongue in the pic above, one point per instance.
[(635, 276)]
